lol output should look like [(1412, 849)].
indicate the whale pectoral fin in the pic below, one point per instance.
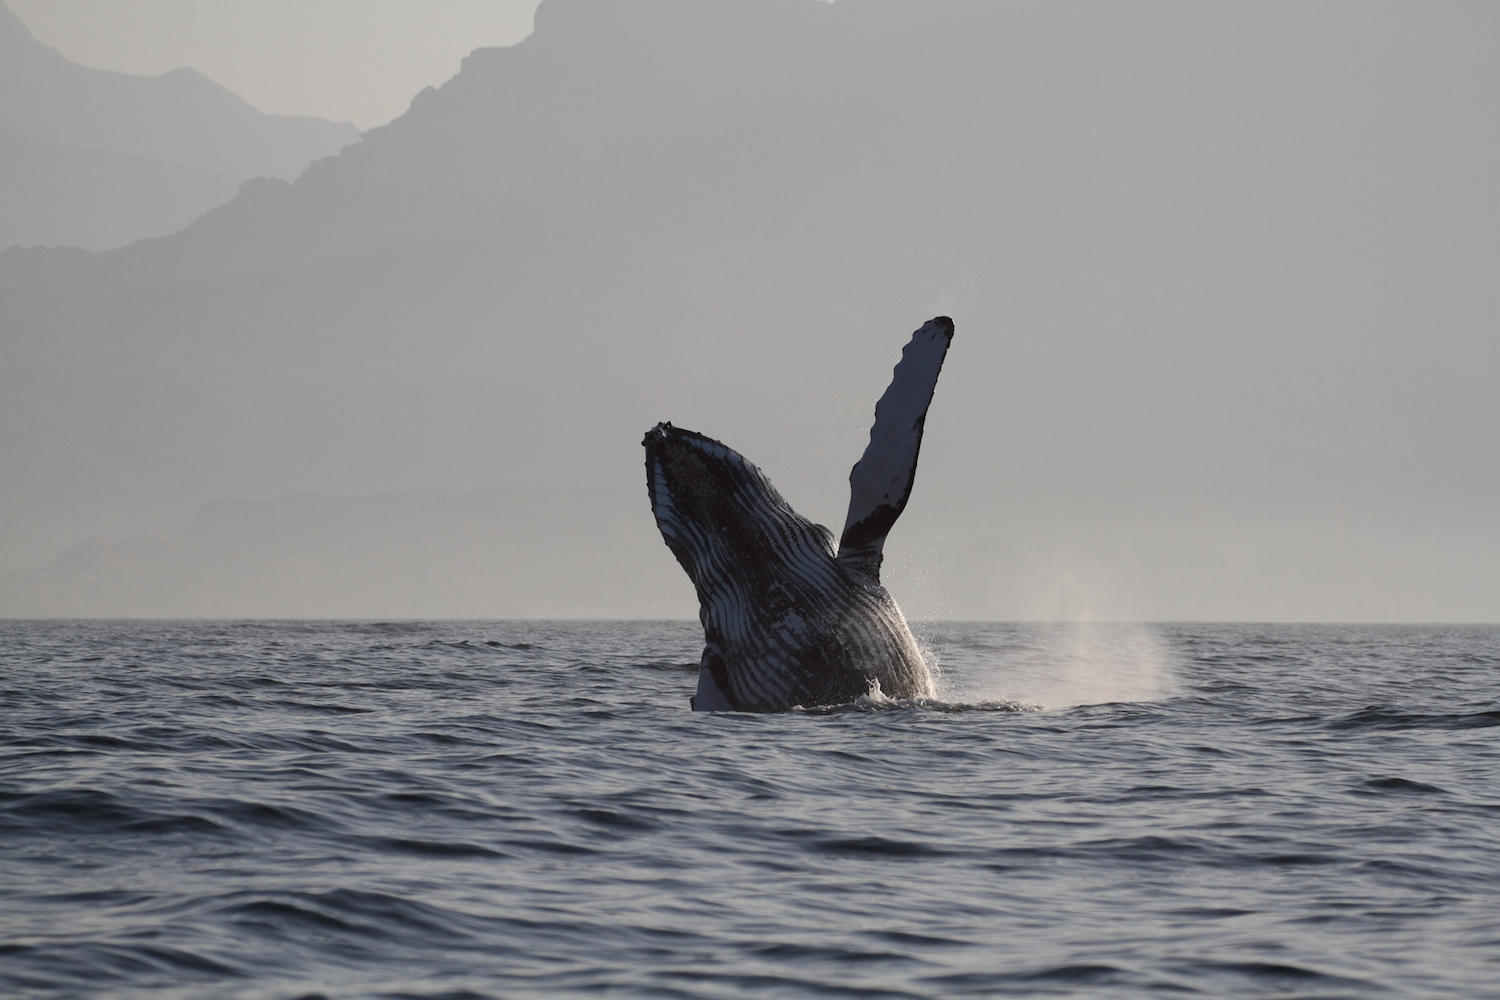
[(881, 480)]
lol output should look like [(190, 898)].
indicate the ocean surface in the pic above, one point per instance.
[(528, 809)]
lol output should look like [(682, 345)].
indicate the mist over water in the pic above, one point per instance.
[(1049, 665)]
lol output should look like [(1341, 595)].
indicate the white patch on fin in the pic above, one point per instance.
[(709, 698)]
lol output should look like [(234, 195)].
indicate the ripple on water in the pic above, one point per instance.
[(510, 809)]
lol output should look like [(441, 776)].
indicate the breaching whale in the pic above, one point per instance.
[(788, 621)]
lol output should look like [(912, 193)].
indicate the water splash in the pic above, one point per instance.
[(1055, 665), (877, 700)]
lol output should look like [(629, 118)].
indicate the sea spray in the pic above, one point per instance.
[(1055, 665)]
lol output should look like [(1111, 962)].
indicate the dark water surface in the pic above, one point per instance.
[(501, 809)]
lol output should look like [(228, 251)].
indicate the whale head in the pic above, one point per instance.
[(719, 514)]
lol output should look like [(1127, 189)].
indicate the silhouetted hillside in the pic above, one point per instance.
[(97, 159), (496, 553), (1220, 274)]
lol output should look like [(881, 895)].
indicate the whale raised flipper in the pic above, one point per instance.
[(880, 482), (786, 621)]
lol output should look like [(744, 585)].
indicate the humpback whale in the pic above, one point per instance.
[(787, 619)]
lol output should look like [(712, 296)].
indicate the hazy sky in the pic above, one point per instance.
[(348, 60), (1223, 276)]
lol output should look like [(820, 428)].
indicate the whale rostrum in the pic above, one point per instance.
[(787, 620)]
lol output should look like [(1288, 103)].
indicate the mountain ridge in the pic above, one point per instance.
[(1228, 226), (189, 143)]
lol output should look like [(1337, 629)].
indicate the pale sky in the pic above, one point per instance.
[(1223, 276), (347, 60)]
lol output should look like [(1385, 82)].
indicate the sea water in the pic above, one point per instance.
[(528, 809)]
